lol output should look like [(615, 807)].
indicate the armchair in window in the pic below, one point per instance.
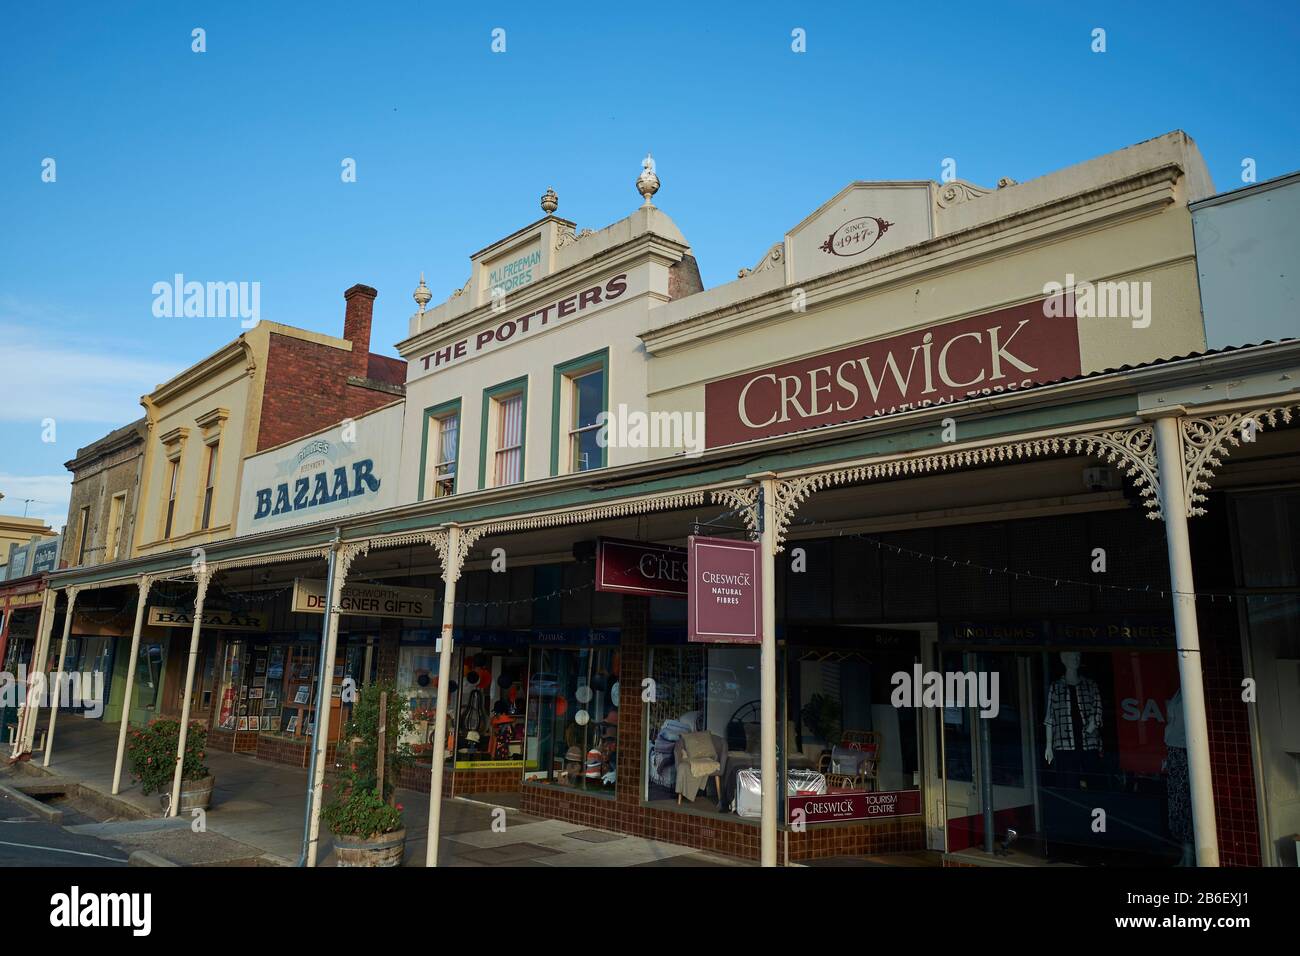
[(854, 763), (698, 757)]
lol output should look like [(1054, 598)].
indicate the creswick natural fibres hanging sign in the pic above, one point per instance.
[(723, 588)]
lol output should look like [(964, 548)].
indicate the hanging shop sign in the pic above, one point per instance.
[(219, 618), (975, 357), (365, 600), (723, 591), (345, 470), (635, 567), (499, 333), (843, 807)]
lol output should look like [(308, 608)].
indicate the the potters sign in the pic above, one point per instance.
[(637, 567), (841, 807), (215, 618), (365, 600), (500, 332), (983, 355), (723, 591)]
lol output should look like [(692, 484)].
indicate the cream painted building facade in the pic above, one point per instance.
[(881, 260), (505, 387)]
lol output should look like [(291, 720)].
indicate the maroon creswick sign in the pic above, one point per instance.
[(635, 567), (723, 594), (838, 807), (982, 355)]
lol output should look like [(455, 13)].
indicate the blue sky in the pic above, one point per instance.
[(225, 165)]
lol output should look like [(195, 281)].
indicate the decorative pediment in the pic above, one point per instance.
[(862, 222)]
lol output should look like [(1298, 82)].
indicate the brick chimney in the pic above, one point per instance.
[(356, 325)]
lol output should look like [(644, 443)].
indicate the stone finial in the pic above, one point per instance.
[(647, 184), (422, 295), (550, 201), (1006, 181)]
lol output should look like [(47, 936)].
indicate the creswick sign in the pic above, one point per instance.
[(982, 355)]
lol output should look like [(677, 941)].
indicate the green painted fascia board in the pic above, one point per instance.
[(592, 359), (517, 384), (430, 413), (924, 437)]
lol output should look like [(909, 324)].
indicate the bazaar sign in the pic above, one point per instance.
[(216, 618)]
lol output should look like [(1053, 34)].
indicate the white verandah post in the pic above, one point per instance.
[(142, 599)]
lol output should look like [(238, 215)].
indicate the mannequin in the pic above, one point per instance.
[(1073, 724), (1177, 786)]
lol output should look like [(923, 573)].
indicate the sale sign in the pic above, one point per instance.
[(723, 591), (1145, 682)]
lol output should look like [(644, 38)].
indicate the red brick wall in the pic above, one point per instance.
[(1236, 813), (307, 390)]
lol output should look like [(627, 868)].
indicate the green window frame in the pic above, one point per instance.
[(437, 413), (590, 362), (519, 385)]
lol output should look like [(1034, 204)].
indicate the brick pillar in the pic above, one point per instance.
[(356, 325), (631, 735)]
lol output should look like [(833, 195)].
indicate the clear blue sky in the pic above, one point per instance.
[(226, 165)]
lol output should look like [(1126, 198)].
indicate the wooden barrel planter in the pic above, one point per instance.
[(384, 850), (195, 795)]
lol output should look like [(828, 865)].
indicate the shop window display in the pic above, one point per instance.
[(1078, 729), (267, 689), (841, 734), (486, 702), (572, 718), (703, 724)]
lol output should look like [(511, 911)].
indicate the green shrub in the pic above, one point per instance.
[(362, 813), (358, 809), (152, 752)]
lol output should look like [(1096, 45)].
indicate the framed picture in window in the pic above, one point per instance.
[(302, 694), (256, 693), (243, 723), (292, 726)]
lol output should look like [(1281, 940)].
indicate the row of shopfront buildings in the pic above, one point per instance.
[(1008, 434)]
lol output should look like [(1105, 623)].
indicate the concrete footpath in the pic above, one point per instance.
[(257, 814)]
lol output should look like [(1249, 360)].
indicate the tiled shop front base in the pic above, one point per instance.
[(460, 783), (730, 836)]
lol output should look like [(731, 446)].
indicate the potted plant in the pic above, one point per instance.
[(822, 715), (362, 815), (152, 752)]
